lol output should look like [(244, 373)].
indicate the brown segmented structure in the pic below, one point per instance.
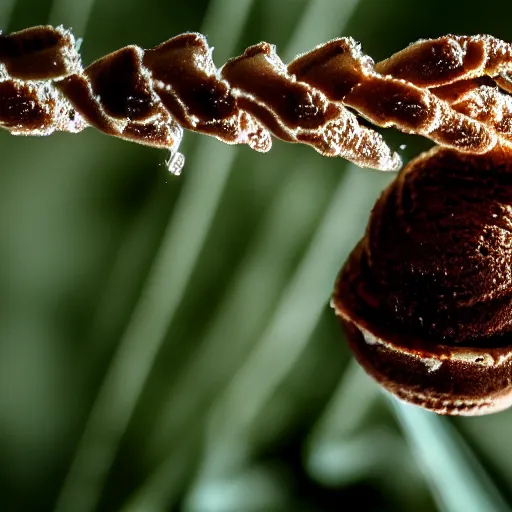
[(425, 298), (150, 96)]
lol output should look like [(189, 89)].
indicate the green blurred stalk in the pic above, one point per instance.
[(244, 308), (298, 312), (6, 8), (163, 292), (72, 14), (457, 479)]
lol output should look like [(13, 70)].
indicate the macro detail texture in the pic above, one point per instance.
[(149, 96), (442, 89), (168, 344), (426, 295)]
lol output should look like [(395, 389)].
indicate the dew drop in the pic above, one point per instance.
[(175, 163)]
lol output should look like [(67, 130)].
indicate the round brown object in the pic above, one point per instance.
[(425, 298)]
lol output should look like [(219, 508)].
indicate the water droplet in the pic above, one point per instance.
[(175, 163)]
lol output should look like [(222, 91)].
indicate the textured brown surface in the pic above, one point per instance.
[(462, 381), (430, 284), (433, 88)]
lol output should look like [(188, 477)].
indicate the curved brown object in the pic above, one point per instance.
[(150, 96), (341, 71), (426, 296), (437, 62), (433, 89)]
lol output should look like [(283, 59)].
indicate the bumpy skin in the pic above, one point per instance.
[(149, 96), (432, 88), (426, 296)]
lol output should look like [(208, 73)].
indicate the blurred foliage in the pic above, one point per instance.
[(167, 343)]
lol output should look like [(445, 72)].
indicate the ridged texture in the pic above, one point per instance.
[(433, 88), (457, 381), (425, 297), (439, 247)]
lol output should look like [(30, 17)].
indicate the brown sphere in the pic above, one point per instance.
[(425, 298)]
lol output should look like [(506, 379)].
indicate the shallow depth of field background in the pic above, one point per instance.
[(167, 343)]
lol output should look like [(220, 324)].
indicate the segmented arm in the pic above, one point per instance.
[(150, 96)]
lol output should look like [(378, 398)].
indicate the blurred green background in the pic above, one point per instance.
[(167, 343)]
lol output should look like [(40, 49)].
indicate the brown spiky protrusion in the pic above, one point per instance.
[(433, 88)]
